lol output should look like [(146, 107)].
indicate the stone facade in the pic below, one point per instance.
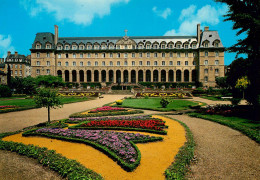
[(130, 59)]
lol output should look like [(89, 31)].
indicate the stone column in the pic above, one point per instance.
[(77, 77), (107, 76), (151, 75), (136, 76), (63, 75), (70, 76), (129, 76), (92, 76), (159, 76), (167, 76), (99, 76), (182, 76), (122, 76), (174, 75), (144, 76), (190, 78), (114, 78)]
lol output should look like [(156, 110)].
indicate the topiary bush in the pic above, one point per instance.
[(164, 102), (5, 91)]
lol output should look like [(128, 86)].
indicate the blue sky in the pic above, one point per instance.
[(20, 20)]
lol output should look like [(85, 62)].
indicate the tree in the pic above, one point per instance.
[(8, 76), (246, 17), (48, 98), (222, 82), (49, 81), (242, 83)]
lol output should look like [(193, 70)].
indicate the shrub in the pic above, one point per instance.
[(235, 101), (119, 102), (164, 102), (5, 91)]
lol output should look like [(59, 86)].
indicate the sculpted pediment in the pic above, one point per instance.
[(125, 41)]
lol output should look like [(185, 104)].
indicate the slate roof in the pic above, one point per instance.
[(43, 38), (211, 36)]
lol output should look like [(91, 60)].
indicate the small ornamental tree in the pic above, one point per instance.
[(242, 84), (48, 98), (164, 102)]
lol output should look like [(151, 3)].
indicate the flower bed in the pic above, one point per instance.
[(10, 106), (106, 109), (118, 145), (163, 94), (78, 120), (79, 94)]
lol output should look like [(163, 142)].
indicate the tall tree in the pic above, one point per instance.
[(48, 98), (246, 17)]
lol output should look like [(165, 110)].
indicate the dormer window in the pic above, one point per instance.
[(89, 46), (38, 46), (96, 47), (186, 46), (74, 47), (103, 46), (178, 46), (206, 45), (140, 46), (216, 44), (193, 46), (117, 47), (156, 46), (125, 46), (171, 46), (48, 46), (148, 47), (59, 47), (111, 47), (163, 46), (66, 47), (80, 47)]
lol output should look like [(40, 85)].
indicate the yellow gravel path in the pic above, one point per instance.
[(156, 157)]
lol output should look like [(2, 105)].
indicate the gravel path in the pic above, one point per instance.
[(221, 152), (14, 121)]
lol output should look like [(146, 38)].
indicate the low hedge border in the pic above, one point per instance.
[(254, 135), (67, 168), (112, 155), (120, 128), (182, 160), (106, 113)]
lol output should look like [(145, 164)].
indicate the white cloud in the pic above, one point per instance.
[(76, 11), (164, 14), (5, 45), (207, 15)]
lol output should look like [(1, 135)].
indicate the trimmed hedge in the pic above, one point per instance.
[(182, 160), (67, 168), (106, 113), (252, 134), (126, 166)]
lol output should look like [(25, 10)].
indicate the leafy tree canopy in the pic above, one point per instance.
[(49, 81)]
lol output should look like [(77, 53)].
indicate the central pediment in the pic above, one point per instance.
[(125, 41)]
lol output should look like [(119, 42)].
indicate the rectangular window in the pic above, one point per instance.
[(38, 71), (118, 63), (133, 63), (186, 54), (148, 47), (118, 55), (148, 54), (16, 65), (171, 54), (126, 55), (59, 63), (80, 47), (216, 62), (194, 46), (96, 47), (206, 53), (178, 54), (140, 55), (111, 63), (81, 55), (155, 55), (59, 55), (48, 63), (117, 47), (155, 63), (163, 54), (37, 54), (171, 63), (148, 63), (194, 63), (171, 46), (178, 46), (74, 55), (156, 46), (206, 78), (133, 55), (38, 46), (206, 71), (103, 46), (48, 71), (67, 55), (178, 63), (20, 66), (125, 63), (206, 62), (216, 53), (59, 48), (163, 63), (103, 63), (216, 44), (96, 55), (111, 47), (186, 46), (67, 47), (48, 54), (74, 63), (89, 55), (74, 47), (89, 63), (66, 63), (37, 64), (81, 63), (163, 46), (103, 55), (111, 55), (140, 63), (20, 72), (125, 46), (206, 45), (89, 46), (140, 47), (186, 63), (96, 63), (216, 71)]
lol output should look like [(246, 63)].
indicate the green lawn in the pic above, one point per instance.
[(214, 98), (154, 104), (246, 126), (29, 103)]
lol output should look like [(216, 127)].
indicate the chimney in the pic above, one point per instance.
[(8, 53), (56, 35), (16, 53), (206, 28), (198, 33)]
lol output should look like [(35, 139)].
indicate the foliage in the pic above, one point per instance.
[(167, 84), (164, 102), (242, 83), (235, 101), (49, 81), (125, 153), (222, 82), (67, 168), (179, 167), (245, 15), (243, 125), (91, 84), (5, 91), (115, 113), (119, 102), (48, 98)]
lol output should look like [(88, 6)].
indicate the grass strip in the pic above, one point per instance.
[(105, 114), (179, 168), (253, 134), (67, 168)]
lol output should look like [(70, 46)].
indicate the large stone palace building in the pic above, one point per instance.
[(130, 59)]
